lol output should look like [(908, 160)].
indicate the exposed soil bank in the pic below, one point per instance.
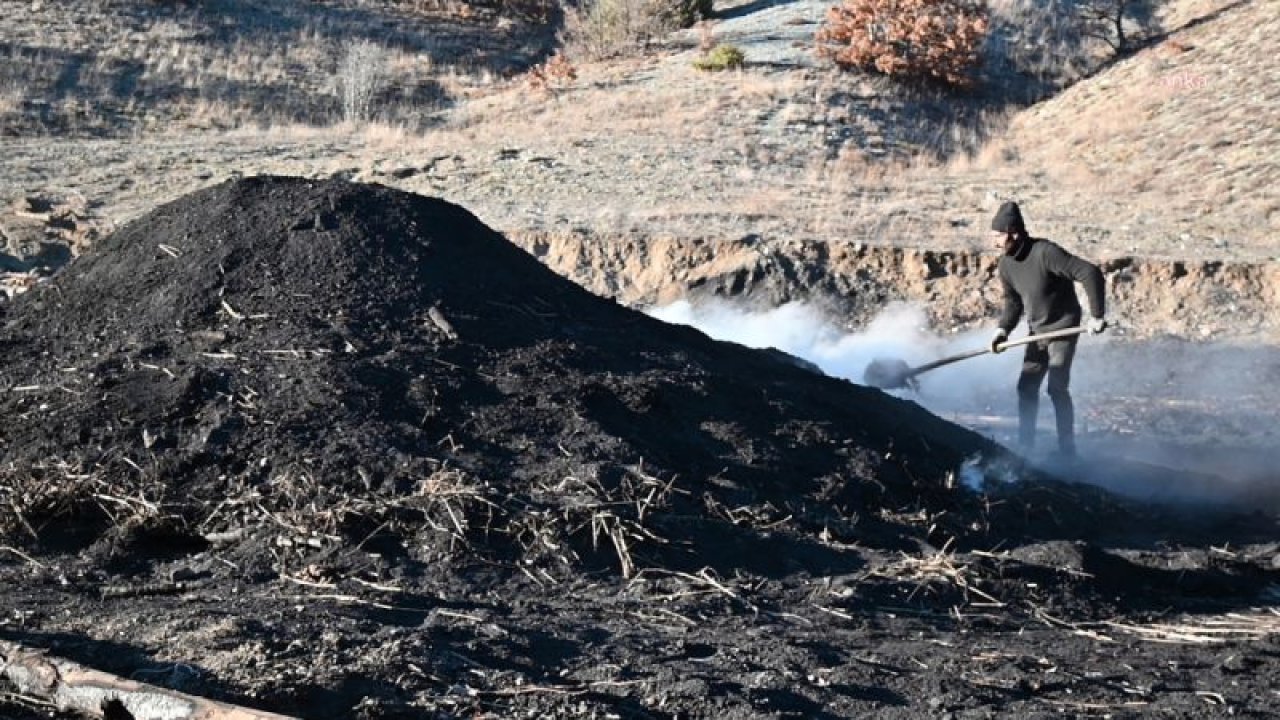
[(1189, 299)]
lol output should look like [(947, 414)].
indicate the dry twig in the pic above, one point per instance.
[(1213, 630), (1051, 621)]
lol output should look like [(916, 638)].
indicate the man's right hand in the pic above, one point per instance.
[(1000, 336)]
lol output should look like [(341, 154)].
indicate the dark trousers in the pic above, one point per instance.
[(1052, 358)]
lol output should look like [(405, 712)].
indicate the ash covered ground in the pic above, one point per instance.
[(340, 451)]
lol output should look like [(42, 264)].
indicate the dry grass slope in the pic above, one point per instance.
[(1167, 154), (1189, 127), (108, 69)]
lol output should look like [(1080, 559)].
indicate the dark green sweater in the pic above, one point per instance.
[(1039, 279)]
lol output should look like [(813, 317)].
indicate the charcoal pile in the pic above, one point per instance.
[(279, 383), (345, 359)]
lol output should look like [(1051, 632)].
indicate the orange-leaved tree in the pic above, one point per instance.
[(935, 40)]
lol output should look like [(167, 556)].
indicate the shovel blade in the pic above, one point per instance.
[(888, 374)]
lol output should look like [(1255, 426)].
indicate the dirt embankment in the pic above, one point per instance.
[(1188, 299)]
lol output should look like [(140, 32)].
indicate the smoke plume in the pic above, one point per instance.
[(901, 331), (1162, 419)]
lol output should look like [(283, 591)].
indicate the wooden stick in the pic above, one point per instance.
[(73, 687)]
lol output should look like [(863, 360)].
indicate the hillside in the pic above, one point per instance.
[(1188, 130), (783, 149), (117, 69)]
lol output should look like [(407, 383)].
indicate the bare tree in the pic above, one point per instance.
[(361, 75), (1110, 20)]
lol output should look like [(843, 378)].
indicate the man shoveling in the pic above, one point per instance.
[(1038, 279)]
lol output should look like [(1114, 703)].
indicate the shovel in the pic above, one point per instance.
[(889, 373)]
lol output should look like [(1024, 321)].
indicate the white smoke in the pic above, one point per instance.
[(1154, 420), (901, 331)]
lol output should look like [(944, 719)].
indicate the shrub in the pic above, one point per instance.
[(687, 13), (607, 28), (538, 11), (936, 40), (361, 74), (1038, 45), (555, 73), (721, 57)]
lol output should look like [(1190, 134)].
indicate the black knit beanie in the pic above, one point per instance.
[(1008, 219)]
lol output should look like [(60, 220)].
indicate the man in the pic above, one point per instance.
[(1038, 279)]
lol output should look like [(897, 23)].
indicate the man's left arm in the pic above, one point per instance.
[(1061, 262)]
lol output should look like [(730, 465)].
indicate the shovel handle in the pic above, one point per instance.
[(1051, 335)]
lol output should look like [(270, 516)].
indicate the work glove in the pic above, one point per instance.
[(1095, 325), (1000, 336)]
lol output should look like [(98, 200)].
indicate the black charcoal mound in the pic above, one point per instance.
[(356, 364)]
